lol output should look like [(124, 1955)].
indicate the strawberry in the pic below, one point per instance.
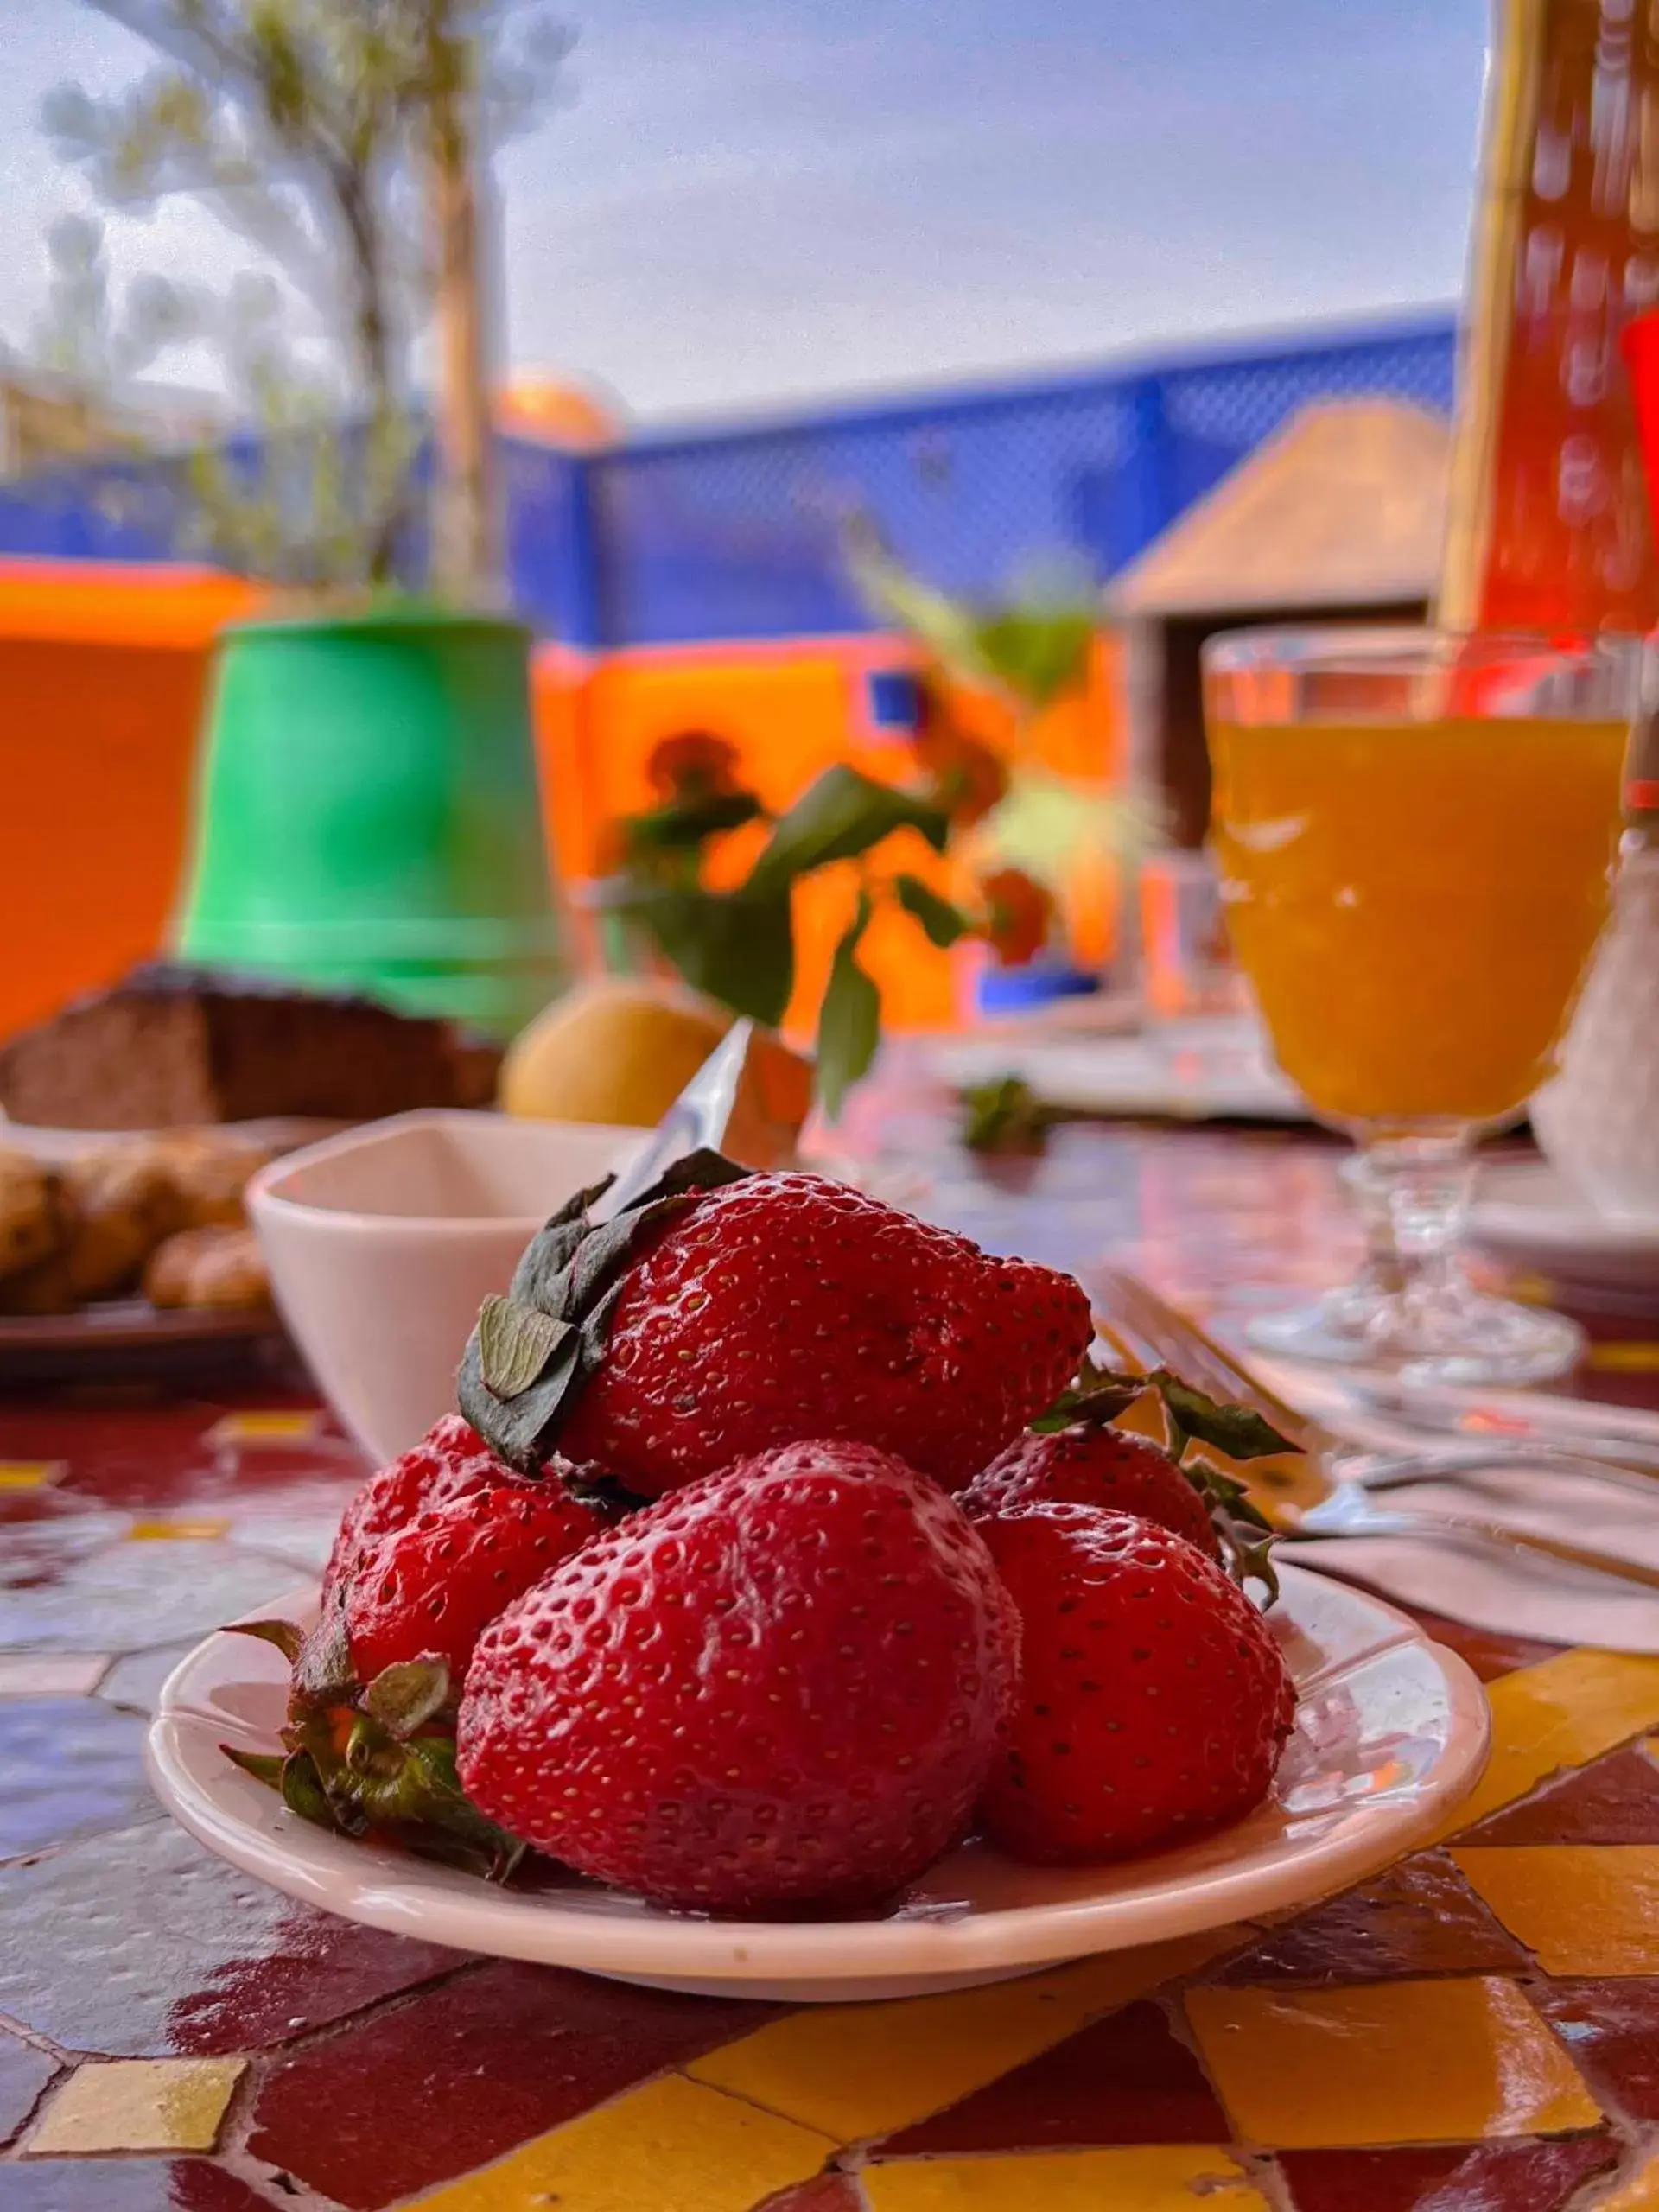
[(780, 1686), (429, 1588), (1088, 1464), (450, 1461), (1154, 1700), (715, 1323)]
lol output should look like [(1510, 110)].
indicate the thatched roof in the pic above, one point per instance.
[(1346, 506)]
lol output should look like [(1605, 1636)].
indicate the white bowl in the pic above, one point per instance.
[(382, 1244), (1391, 1732)]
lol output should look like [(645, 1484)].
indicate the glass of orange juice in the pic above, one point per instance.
[(1415, 835)]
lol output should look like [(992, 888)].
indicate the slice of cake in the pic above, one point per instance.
[(172, 1046)]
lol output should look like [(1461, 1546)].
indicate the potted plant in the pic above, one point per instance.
[(367, 813)]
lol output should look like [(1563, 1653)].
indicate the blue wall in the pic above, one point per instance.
[(734, 533)]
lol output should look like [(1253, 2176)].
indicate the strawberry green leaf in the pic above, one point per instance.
[(842, 815), (573, 1271), (288, 1639), (263, 1766), (515, 1344), (1243, 1531), (1097, 1396), (1238, 1431), (405, 1697), (302, 1790), (941, 923), (849, 1020), (323, 1673)]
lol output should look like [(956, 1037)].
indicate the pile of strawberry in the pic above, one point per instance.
[(747, 1585)]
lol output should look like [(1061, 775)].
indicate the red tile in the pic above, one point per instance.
[(1616, 1800), (1124, 2080), (432, 2089), (126, 2186), (829, 2193), (1490, 1655), (1612, 2030), (137, 1942), (24, 2072), (1420, 1917), (1477, 2178), (72, 1766)]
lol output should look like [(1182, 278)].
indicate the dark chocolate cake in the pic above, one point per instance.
[(172, 1046)]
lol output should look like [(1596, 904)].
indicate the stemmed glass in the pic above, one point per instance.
[(1415, 834)]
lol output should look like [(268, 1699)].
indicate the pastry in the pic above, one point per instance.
[(119, 1205), (215, 1268), (30, 1230)]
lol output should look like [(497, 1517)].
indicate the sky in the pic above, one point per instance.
[(740, 204)]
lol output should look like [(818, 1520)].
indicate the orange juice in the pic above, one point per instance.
[(1414, 901)]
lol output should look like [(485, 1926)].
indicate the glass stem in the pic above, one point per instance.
[(1414, 1194)]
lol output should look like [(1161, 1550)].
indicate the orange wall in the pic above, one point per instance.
[(102, 674), (101, 680)]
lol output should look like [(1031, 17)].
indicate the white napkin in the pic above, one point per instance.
[(1508, 1594)]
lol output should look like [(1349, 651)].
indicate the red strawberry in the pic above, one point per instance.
[(1090, 1465), (450, 1461), (429, 1588), (782, 1686), (1154, 1701), (785, 1306)]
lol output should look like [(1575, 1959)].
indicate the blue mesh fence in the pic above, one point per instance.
[(737, 533)]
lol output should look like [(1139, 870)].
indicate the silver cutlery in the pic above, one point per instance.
[(1151, 1332)]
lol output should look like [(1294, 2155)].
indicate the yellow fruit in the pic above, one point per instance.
[(615, 1051)]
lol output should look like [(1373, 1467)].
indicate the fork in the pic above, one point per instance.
[(1349, 1508)]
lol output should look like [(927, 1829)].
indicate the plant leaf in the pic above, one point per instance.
[(938, 623), (737, 947), (515, 1344), (842, 815), (688, 822), (942, 922), (1037, 651), (849, 1020), (1005, 1114)]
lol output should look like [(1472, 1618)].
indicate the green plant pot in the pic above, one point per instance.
[(368, 816)]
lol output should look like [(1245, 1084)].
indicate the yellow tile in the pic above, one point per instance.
[(671, 2143), (137, 2104), (172, 1532), (275, 1428), (1178, 2179), (28, 1474), (854, 2070), (1396, 2062), (1580, 1908), (1562, 1713), (1625, 1358), (1639, 2194)]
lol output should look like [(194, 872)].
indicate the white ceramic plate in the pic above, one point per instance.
[(1392, 1731), (1532, 1218)]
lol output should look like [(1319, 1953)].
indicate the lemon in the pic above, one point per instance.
[(618, 1050)]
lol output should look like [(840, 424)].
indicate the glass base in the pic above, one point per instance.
[(1448, 1332)]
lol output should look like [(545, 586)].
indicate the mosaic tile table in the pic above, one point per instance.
[(1477, 2030)]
